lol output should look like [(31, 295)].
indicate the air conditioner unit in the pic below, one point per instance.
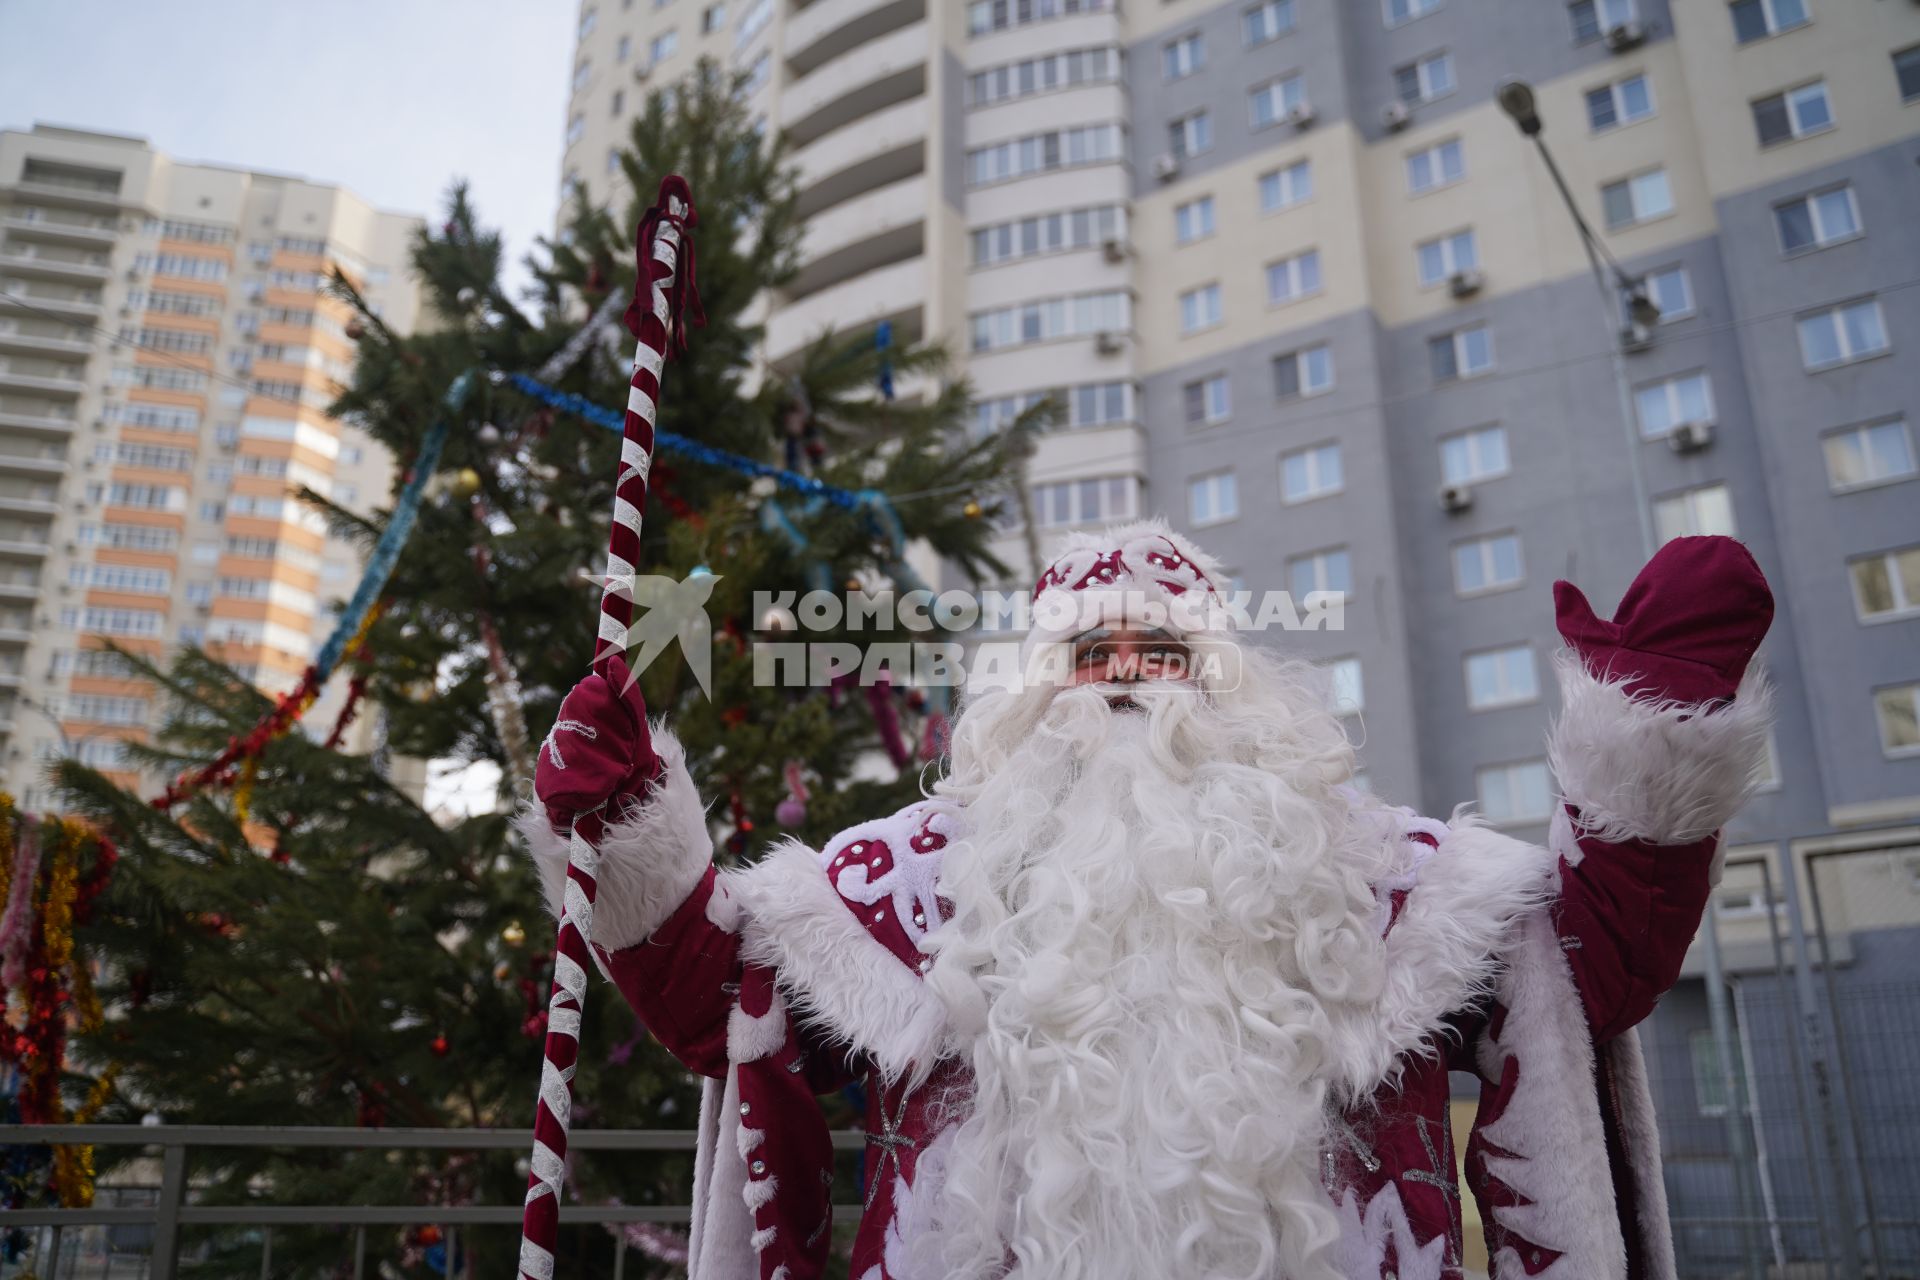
[(1396, 116), (1301, 116), (1115, 248), (1455, 498), (1690, 437), (1166, 166), (1108, 343), (1464, 284), (641, 70), (1626, 35), (1635, 337)]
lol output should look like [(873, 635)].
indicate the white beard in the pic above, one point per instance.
[(1159, 915)]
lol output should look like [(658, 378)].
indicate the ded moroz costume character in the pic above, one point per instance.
[(1145, 989)]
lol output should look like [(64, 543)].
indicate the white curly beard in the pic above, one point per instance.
[(1158, 914)]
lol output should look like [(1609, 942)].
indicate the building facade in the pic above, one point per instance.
[(1305, 290), (166, 359)]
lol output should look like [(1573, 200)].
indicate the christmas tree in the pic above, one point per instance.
[(311, 947)]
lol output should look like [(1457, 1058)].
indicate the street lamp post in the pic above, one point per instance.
[(1517, 100)]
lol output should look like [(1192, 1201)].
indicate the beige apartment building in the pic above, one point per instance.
[(166, 360)]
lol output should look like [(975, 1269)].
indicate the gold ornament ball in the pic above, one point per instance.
[(466, 483), (513, 935), (972, 511)]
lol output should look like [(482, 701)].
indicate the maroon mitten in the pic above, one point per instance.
[(1686, 628), (600, 748)]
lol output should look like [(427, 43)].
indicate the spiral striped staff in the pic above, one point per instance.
[(664, 297)]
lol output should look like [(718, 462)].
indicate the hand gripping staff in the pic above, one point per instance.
[(664, 290)]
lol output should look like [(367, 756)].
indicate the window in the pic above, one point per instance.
[(1898, 711), (617, 105), (1442, 257), (1044, 152), (1042, 75), (1267, 21), (1514, 793), (712, 18), (1670, 290), (1594, 18), (1662, 406), (1200, 308), (1708, 509), (1284, 188), (1782, 117), (583, 73), (1269, 103), (1212, 499), (588, 21), (1838, 335), (1643, 197), (1052, 318), (1758, 19), (1472, 456), (1887, 584), (1711, 1072), (1425, 79), (613, 160), (984, 16), (1209, 400), (1193, 220), (1873, 454), (1347, 691), (1818, 220), (1046, 233), (1399, 11), (1320, 571), (1464, 353), (1092, 404), (576, 127), (1306, 372), (1181, 58), (1486, 564), (1072, 502), (1191, 135), (1621, 102), (664, 46), (1436, 166), (1501, 678), (1906, 72), (1292, 279), (1311, 473)]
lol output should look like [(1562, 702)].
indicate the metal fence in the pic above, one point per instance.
[(154, 1250)]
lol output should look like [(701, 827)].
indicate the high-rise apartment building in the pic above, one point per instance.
[(166, 359), (1305, 290)]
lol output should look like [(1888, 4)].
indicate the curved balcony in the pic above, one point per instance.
[(895, 293), (68, 301), (72, 265), (826, 29), (46, 342), (887, 224), (40, 377), (858, 83), (872, 152), (88, 233)]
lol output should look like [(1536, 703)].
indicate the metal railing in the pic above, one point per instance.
[(174, 1209)]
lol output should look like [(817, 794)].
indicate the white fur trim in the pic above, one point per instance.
[(759, 1193), (1552, 1122), (750, 1039), (1365, 1236), (762, 1238), (1640, 1135), (724, 1223), (1666, 773), (1464, 901), (747, 1138), (706, 1142), (828, 965), (651, 858)]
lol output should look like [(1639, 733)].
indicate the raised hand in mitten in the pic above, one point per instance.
[(1686, 628), (599, 750)]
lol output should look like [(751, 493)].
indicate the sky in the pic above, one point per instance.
[(392, 99)]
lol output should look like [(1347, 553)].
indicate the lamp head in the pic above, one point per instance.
[(1516, 99)]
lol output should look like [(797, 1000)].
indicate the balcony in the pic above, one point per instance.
[(883, 226), (44, 422), (23, 592), (44, 376), (48, 338), (90, 196), (826, 29), (22, 549), (858, 83), (83, 304), (46, 263), (872, 152), (16, 458), (894, 293), (10, 634), (20, 504), (74, 229)]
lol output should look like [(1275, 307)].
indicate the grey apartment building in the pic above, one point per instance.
[(1304, 289)]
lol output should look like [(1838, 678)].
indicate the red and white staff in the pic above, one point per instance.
[(663, 292)]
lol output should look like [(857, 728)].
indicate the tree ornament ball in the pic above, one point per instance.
[(514, 934), (791, 812), (778, 618), (466, 483), (467, 296), (488, 433), (972, 511), (355, 329), (440, 1046), (502, 971)]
